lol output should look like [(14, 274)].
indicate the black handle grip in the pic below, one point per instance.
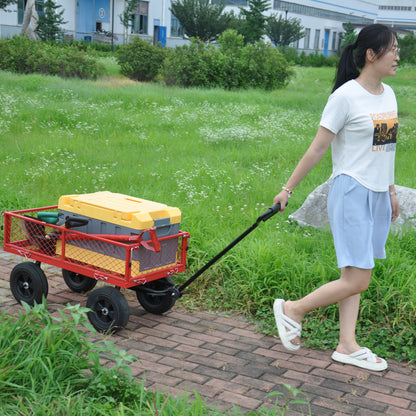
[(75, 222), (269, 213)]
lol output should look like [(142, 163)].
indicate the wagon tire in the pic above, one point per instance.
[(28, 283), (155, 303), (109, 309), (78, 282)]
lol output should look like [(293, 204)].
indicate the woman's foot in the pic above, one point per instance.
[(289, 330), (362, 357)]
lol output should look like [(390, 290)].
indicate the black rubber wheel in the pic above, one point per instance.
[(28, 283), (109, 309), (78, 282), (155, 303)]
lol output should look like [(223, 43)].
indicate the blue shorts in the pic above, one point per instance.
[(360, 221)]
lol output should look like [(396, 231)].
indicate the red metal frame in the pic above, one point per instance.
[(126, 280)]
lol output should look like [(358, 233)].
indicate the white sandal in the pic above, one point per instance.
[(363, 358), (288, 329)]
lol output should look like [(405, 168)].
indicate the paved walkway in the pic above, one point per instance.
[(229, 363)]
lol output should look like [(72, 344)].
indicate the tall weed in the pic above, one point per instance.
[(49, 367)]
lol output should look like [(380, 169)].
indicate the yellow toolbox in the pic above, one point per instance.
[(106, 213)]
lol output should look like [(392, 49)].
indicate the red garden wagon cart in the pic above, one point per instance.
[(88, 258)]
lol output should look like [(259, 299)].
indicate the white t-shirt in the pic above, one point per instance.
[(366, 130)]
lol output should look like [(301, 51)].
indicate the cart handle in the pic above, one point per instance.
[(269, 213), (178, 291)]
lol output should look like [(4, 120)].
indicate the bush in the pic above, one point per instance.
[(231, 65), (16, 54), (290, 54), (139, 60), (22, 55), (194, 65), (265, 67), (407, 44), (230, 42), (314, 59), (317, 60)]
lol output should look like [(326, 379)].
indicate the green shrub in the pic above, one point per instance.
[(17, 53), (316, 60), (407, 44), (139, 60), (65, 62), (230, 42), (22, 55), (291, 54), (232, 65), (231, 45), (265, 67), (194, 65), (75, 63)]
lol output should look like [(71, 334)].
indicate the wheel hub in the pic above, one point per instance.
[(105, 311)]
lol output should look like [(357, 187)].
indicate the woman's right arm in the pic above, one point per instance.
[(313, 155)]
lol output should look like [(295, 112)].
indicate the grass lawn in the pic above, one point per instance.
[(221, 157)]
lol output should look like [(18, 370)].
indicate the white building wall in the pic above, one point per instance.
[(158, 12), (392, 14), (8, 23), (360, 10)]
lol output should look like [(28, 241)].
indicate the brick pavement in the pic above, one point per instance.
[(229, 363)]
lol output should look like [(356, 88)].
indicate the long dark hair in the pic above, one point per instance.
[(377, 37)]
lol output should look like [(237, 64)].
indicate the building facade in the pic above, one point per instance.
[(323, 20)]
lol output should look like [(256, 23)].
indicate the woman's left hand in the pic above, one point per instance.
[(395, 209)]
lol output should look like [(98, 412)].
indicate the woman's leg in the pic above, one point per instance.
[(352, 282), (348, 310), (348, 314)]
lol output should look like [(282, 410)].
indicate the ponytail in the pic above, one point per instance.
[(377, 37), (347, 69)]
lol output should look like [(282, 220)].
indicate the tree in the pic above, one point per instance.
[(349, 36), (282, 31), (407, 45), (201, 18), (126, 18), (49, 24), (5, 3), (254, 24)]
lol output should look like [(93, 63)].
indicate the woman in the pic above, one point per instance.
[(360, 121)]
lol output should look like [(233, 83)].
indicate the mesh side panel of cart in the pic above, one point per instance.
[(28, 234), (113, 256), (122, 258)]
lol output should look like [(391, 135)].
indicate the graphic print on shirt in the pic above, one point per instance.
[(385, 131)]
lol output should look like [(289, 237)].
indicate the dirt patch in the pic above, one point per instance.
[(116, 82)]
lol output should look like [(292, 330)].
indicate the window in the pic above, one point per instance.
[(400, 8), (140, 18), (307, 39), (297, 8), (21, 5), (240, 3), (334, 41), (316, 41), (176, 30)]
